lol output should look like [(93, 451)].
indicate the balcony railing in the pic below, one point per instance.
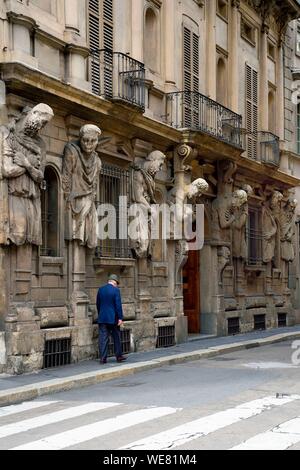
[(263, 147), (194, 111), (116, 76)]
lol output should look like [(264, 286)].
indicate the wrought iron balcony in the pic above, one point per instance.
[(116, 76), (194, 111), (263, 147)]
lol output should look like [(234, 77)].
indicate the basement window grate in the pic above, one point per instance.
[(259, 322), (282, 320), (233, 325), (166, 336), (125, 334), (57, 353)]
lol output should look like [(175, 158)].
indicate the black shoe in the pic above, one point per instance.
[(121, 358), (103, 361)]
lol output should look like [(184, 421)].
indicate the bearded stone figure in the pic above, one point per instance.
[(143, 189), (287, 229), (81, 168), (240, 211), (270, 214), (23, 157), (182, 198)]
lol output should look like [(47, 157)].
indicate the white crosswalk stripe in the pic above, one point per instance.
[(15, 435), (51, 418), (26, 406), (100, 428), (278, 438), (208, 424)]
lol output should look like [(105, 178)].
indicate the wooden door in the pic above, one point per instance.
[(191, 291)]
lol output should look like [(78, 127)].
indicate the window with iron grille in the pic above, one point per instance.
[(254, 236), (282, 319), (101, 36), (57, 353), (114, 182), (166, 336), (259, 322), (125, 334), (233, 325), (49, 209)]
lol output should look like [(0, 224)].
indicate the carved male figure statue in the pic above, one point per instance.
[(228, 211), (81, 168), (270, 215), (143, 189), (23, 162), (186, 194), (287, 229), (240, 212)]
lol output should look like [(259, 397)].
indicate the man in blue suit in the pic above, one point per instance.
[(110, 318)]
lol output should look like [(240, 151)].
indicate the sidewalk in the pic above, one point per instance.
[(19, 388)]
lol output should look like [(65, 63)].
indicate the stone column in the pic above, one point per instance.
[(234, 24), (280, 94), (137, 29), (263, 80), (3, 272), (211, 49), (71, 15), (169, 42), (77, 51)]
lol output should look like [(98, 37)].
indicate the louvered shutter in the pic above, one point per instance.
[(190, 78), (251, 83), (101, 37), (108, 45), (94, 42)]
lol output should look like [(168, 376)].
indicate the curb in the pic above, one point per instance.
[(29, 392)]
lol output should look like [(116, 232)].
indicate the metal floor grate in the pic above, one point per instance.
[(282, 319), (57, 353), (125, 342), (233, 325), (259, 322), (166, 336)]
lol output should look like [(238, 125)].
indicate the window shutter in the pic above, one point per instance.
[(251, 83), (190, 60), (101, 37), (108, 24)]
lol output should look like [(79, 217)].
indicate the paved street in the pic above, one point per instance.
[(246, 400)]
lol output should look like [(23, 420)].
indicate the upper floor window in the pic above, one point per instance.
[(248, 31), (251, 112), (271, 51), (151, 40), (101, 24), (271, 111), (222, 8), (50, 219), (190, 60), (221, 92), (101, 36)]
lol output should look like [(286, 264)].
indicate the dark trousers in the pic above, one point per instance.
[(106, 329)]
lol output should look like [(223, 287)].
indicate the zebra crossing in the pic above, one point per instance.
[(56, 424)]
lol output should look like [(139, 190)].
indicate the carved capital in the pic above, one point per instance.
[(186, 154)]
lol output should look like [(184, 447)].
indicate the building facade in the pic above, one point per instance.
[(198, 87)]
